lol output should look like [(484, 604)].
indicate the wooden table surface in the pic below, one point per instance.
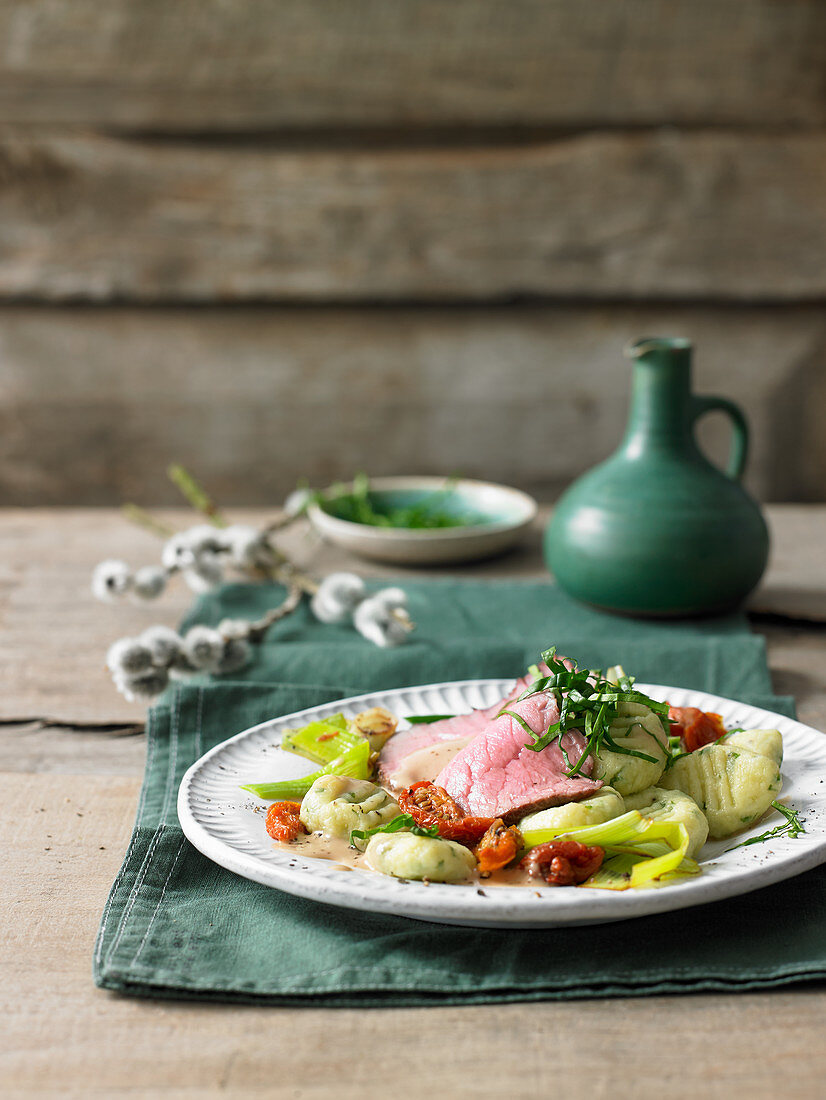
[(71, 760)]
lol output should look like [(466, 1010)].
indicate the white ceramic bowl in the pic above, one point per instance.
[(508, 513)]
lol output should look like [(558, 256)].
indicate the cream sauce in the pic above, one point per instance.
[(426, 763), (321, 846), (338, 851)]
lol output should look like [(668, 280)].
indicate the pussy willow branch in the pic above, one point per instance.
[(289, 574), (402, 618), (281, 521), (195, 494), (259, 627), (282, 569), (142, 518)]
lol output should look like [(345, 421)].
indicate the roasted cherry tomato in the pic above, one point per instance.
[(695, 727), (432, 807), (426, 800), (468, 831), (283, 822), (498, 847), (562, 862)]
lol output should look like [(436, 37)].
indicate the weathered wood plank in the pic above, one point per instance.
[(216, 66), (53, 635), (94, 403), (49, 748), (662, 215)]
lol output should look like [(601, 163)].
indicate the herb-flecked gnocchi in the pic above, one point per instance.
[(404, 855), (336, 804), (763, 742), (603, 806), (732, 785), (664, 805), (638, 729)]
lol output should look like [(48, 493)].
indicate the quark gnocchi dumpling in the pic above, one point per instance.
[(732, 785), (638, 728), (603, 806), (335, 805), (763, 742), (405, 855), (664, 805)]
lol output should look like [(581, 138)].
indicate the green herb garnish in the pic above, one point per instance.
[(404, 822), (358, 504), (792, 827), (426, 719), (675, 751), (518, 718), (588, 703)]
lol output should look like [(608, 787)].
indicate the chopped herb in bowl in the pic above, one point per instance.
[(409, 510)]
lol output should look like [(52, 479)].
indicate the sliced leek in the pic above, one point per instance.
[(616, 871), (321, 742), (616, 831), (354, 763), (651, 848)]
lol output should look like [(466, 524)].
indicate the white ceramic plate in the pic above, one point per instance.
[(510, 512), (221, 821)]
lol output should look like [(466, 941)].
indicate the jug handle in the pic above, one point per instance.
[(740, 430)]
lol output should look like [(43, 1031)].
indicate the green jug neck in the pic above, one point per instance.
[(660, 418)]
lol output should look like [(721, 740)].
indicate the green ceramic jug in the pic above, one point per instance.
[(657, 529)]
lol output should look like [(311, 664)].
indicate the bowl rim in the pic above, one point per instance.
[(322, 519)]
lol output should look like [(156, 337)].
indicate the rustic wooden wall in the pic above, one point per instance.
[(309, 237)]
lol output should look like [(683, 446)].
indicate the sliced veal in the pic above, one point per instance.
[(496, 775), (445, 738)]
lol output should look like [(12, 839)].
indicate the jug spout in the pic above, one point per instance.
[(657, 345), (660, 414)]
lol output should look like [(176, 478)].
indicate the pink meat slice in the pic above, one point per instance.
[(402, 744), (496, 775)]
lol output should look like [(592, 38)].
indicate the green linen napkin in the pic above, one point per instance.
[(177, 925)]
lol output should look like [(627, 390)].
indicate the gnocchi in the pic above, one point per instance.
[(405, 855), (336, 805), (665, 805), (763, 742), (732, 785), (604, 805), (635, 727)]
